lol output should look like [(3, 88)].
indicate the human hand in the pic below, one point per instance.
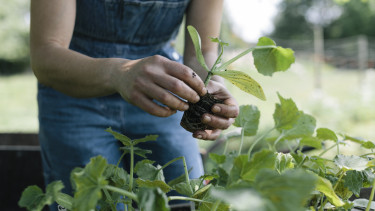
[(156, 77), (224, 114)]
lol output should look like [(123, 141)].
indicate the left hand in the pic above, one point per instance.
[(224, 114)]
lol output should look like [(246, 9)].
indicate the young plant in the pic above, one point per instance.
[(268, 59)]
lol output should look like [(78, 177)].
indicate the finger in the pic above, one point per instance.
[(217, 121), (164, 97), (207, 134), (178, 87), (227, 111), (151, 107), (187, 75)]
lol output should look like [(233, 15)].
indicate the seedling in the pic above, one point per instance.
[(268, 59)]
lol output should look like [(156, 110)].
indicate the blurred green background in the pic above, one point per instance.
[(332, 79)]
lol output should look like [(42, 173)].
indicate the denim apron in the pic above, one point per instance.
[(72, 130)]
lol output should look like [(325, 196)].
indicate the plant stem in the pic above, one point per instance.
[(278, 140), (226, 64), (371, 196), (119, 161), (326, 150), (128, 194), (216, 205), (257, 140), (131, 168), (242, 136), (183, 198), (208, 78), (111, 202)]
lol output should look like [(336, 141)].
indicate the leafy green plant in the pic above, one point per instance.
[(268, 59), (265, 180)]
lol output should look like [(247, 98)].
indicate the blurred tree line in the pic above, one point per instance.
[(14, 36), (339, 18)]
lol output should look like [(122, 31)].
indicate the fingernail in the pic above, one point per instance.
[(197, 98), (216, 109), (199, 136), (186, 107), (204, 90), (207, 119)]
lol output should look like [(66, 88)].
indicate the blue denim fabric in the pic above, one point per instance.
[(72, 130)]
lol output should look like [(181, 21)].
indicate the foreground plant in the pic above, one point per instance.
[(268, 59)]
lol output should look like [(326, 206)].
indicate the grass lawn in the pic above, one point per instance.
[(342, 104)]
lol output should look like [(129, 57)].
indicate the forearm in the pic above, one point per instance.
[(73, 73)]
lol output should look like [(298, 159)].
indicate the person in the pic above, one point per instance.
[(111, 63)]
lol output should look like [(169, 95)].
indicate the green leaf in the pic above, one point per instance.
[(179, 179), (34, 199), (118, 176), (241, 199), (323, 185), (194, 35), (363, 204), (247, 170), (271, 60), (304, 127), (145, 139), (184, 189), (138, 151), (65, 200), (326, 134), (146, 171), (353, 180), (89, 182), (364, 143), (209, 203), (152, 199), (154, 184), (283, 162), (248, 119), (288, 191), (217, 40), (243, 81), (201, 191), (351, 162), (286, 114), (124, 139), (311, 141), (218, 159)]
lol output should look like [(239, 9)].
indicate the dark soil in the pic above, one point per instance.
[(192, 118)]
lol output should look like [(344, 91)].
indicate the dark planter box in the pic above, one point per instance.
[(20, 164)]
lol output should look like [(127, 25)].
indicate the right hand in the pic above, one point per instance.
[(156, 77)]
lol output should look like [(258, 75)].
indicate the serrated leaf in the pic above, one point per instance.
[(353, 180), (154, 184), (326, 134), (243, 81), (146, 171), (287, 191), (209, 203), (145, 139), (194, 35), (201, 192), (179, 179), (271, 60), (248, 119), (323, 185), (89, 182), (241, 199), (218, 159), (351, 162), (34, 199), (118, 176), (283, 162), (286, 114), (65, 200), (121, 137), (152, 199), (184, 189)]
